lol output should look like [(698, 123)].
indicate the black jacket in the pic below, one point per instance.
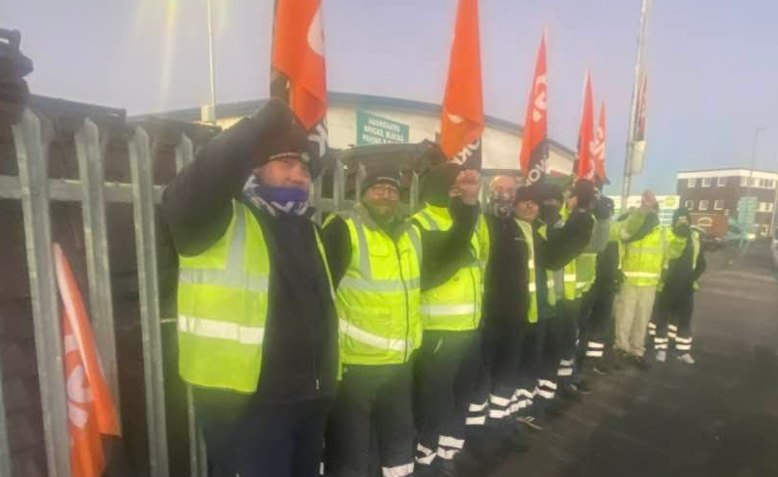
[(507, 273), (680, 275), (299, 360)]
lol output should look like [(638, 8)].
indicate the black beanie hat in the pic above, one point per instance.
[(528, 193), (682, 212), (381, 175)]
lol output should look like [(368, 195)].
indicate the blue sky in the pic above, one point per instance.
[(713, 64)]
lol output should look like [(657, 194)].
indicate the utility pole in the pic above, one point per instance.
[(209, 113), (753, 166), (627, 181)]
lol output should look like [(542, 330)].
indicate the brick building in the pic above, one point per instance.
[(712, 197)]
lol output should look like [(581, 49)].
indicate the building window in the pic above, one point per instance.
[(744, 182), (689, 205), (765, 207), (765, 230), (704, 204), (718, 204), (691, 183), (706, 181), (722, 182), (704, 222)]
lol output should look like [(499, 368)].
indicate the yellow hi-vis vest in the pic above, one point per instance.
[(222, 307), (585, 272), (532, 286), (675, 247), (571, 282), (379, 296), (456, 304), (643, 259)]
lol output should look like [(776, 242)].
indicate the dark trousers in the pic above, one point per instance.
[(552, 333), (530, 369), (672, 321), (447, 369), (495, 399), (569, 329), (507, 353), (596, 324), (247, 438), (373, 407)]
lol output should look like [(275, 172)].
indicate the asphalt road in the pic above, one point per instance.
[(716, 418)]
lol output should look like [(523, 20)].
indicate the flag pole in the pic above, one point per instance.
[(627, 182), (211, 116)]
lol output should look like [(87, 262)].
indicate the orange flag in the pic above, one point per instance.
[(299, 70), (534, 147), (91, 411), (599, 150), (462, 116), (585, 161)]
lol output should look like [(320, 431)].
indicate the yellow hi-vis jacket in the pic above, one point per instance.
[(222, 307), (532, 287), (379, 296), (643, 260), (456, 304)]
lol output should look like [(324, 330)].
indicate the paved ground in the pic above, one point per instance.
[(717, 418)]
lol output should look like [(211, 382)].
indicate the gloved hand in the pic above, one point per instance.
[(271, 130), (584, 192), (603, 209)]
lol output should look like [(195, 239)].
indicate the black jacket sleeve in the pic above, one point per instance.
[(567, 242), (197, 205), (445, 252), (702, 265), (337, 245)]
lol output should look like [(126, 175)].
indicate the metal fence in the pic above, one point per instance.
[(36, 191)]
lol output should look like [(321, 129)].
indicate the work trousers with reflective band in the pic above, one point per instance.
[(245, 437), (503, 354), (672, 323), (635, 304), (570, 314), (595, 320), (551, 333), (373, 406), (529, 371), (446, 377)]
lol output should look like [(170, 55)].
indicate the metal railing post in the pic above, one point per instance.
[(413, 194), (338, 186), (197, 457), (31, 155), (90, 169), (148, 287), (5, 453)]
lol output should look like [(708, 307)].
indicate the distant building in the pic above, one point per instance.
[(713, 197), (667, 205), (358, 120)]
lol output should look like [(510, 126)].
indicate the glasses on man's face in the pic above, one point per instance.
[(385, 190)]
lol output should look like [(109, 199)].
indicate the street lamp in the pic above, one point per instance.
[(751, 171)]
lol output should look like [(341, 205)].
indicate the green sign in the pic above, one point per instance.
[(372, 129), (746, 213)]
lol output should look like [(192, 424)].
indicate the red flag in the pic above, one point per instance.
[(462, 118), (599, 149), (91, 411), (586, 161), (534, 148), (298, 64)]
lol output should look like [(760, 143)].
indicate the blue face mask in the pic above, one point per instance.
[(276, 200)]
